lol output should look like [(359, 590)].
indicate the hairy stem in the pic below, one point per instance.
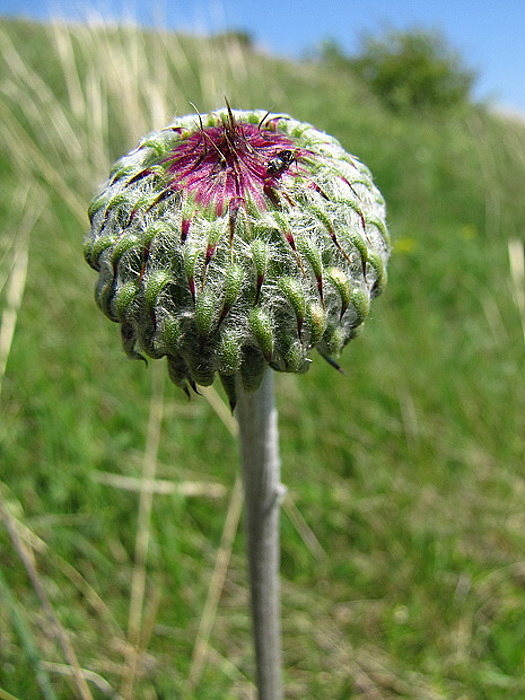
[(257, 418)]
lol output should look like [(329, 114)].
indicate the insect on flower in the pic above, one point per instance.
[(280, 163)]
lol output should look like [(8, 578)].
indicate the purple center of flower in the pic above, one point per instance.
[(224, 165)]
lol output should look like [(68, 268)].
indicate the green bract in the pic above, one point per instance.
[(235, 241)]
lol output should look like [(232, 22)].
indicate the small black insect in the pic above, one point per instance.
[(280, 163)]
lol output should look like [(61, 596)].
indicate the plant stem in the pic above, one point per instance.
[(257, 417)]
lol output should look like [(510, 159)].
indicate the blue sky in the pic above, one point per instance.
[(489, 34)]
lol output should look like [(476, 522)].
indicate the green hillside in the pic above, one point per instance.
[(403, 529)]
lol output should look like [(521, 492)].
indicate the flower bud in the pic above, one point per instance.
[(236, 241)]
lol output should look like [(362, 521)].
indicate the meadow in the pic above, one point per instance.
[(122, 568)]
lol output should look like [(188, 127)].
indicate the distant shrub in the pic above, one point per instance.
[(239, 36), (414, 70)]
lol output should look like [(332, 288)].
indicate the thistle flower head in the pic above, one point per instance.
[(234, 241)]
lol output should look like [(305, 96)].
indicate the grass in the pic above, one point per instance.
[(403, 532)]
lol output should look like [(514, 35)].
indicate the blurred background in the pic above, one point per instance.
[(122, 569)]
